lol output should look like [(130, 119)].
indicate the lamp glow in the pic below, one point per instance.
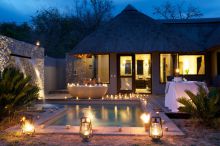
[(156, 131), (38, 43), (27, 126), (85, 128), (146, 120)]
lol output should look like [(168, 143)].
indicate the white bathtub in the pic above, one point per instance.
[(82, 91)]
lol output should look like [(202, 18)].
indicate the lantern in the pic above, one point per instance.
[(85, 128), (156, 131), (27, 125), (146, 120)]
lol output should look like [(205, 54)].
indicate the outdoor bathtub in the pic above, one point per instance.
[(86, 91)]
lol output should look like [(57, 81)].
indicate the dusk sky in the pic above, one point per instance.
[(22, 10)]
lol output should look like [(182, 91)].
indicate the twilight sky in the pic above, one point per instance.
[(22, 10)]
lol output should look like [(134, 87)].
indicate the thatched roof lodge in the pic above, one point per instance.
[(136, 53), (131, 32)]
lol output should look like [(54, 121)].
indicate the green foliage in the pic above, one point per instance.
[(16, 91), (203, 106)]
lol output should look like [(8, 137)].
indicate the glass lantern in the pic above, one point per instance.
[(85, 128), (27, 125), (156, 131)]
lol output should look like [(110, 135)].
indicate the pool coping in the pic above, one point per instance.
[(42, 126)]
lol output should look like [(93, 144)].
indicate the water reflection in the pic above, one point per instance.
[(116, 113), (77, 111), (102, 115)]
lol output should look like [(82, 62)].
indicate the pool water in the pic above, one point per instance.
[(102, 115)]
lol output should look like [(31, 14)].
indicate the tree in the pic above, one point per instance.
[(21, 32), (60, 32), (180, 10), (93, 12)]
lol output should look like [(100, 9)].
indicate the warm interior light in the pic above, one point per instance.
[(186, 66)]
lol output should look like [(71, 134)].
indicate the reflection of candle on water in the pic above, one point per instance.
[(116, 113), (77, 111)]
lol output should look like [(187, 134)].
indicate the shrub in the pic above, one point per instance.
[(16, 91), (203, 106)]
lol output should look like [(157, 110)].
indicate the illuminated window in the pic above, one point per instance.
[(192, 64), (167, 65)]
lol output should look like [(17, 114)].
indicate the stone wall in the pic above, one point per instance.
[(26, 57), (55, 74), (78, 70)]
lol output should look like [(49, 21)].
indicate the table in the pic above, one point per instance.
[(175, 90)]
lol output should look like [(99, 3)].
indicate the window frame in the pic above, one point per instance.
[(193, 55), (173, 64), (181, 54), (108, 68)]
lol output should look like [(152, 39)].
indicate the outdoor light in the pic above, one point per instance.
[(85, 128), (27, 125), (38, 43), (156, 131), (145, 117)]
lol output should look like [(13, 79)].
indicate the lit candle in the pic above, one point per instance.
[(27, 126)]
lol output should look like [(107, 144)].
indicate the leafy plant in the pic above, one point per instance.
[(203, 106), (16, 91)]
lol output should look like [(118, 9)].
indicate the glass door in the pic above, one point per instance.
[(126, 73), (143, 73)]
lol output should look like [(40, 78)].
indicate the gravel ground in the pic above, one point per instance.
[(195, 136)]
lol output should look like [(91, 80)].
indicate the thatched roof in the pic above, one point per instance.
[(133, 32), (214, 39)]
